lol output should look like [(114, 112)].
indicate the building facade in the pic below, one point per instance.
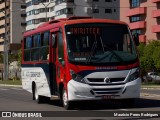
[(142, 17), (12, 21), (39, 11)]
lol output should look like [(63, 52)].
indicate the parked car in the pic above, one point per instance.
[(153, 76)]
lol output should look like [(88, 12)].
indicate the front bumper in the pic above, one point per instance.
[(79, 91)]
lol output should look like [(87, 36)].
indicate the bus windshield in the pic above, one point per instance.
[(99, 43)]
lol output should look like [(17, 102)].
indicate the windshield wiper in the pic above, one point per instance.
[(92, 51)]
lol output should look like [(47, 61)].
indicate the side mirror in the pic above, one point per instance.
[(53, 40), (63, 63), (136, 39)]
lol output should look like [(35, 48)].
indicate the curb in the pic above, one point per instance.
[(6, 85)]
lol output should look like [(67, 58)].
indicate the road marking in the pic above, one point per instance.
[(16, 88)]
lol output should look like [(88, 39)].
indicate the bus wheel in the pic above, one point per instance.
[(66, 103), (37, 97)]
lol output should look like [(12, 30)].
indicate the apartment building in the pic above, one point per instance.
[(12, 19), (39, 11), (142, 17)]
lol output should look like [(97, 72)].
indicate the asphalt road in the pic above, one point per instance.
[(17, 99)]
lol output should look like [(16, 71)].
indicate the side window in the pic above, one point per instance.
[(27, 48), (36, 40), (45, 39), (28, 42), (44, 50), (35, 49), (60, 47)]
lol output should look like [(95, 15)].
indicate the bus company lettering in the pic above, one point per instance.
[(33, 74), (85, 30)]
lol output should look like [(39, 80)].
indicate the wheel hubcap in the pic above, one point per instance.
[(65, 100), (36, 94)]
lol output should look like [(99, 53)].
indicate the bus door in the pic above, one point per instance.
[(53, 80), (60, 64)]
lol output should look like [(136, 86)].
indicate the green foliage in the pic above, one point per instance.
[(150, 56), (12, 57), (19, 57)]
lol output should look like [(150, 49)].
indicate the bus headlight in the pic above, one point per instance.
[(134, 75), (77, 77)]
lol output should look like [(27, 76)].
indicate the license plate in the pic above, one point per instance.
[(107, 97)]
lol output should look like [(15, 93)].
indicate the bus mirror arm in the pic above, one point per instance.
[(136, 39), (63, 63), (53, 40)]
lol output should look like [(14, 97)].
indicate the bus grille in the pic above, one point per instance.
[(106, 91), (101, 80)]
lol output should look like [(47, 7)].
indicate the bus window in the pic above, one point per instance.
[(27, 48), (35, 50), (60, 48), (28, 43), (44, 50), (36, 40)]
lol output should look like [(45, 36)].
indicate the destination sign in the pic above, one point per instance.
[(84, 31)]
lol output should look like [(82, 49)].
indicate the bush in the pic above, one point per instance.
[(150, 56)]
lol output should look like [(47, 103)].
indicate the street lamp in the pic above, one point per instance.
[(45, 5)]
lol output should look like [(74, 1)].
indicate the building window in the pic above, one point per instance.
[(95, 10), (51, 9), (135, 18), (108, 10), (135, 3), (64, 11), (136, 32)]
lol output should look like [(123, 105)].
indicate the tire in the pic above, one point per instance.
[(128, 103), (38, 98), (66, 104)]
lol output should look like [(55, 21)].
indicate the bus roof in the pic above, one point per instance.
[(66, 21)]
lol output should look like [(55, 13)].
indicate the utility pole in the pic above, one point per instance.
[(5, 61)]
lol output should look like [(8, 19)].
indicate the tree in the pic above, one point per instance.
[(19, 57), (150, 56)]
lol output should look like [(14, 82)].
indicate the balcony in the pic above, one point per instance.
[(155, 13), (156, 29), (155, 1), (136, 11), (137, 25), (142, 38), (1, 48), (1, 40)]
